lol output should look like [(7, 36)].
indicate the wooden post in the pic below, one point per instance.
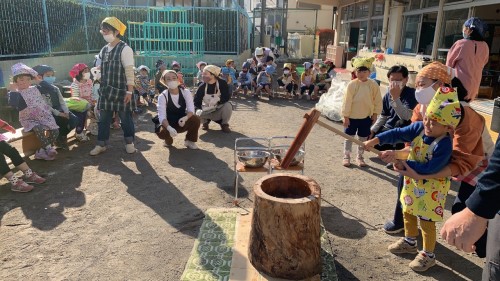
[(285, 240), (304, 131)]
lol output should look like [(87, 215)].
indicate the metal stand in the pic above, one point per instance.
[(268, 145)]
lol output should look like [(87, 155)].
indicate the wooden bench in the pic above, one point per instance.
[(30, 143)]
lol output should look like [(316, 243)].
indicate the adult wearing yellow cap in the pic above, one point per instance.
[(212, 99), (116, 61)]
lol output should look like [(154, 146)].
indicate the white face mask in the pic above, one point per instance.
[(86, 75), (425, 95), (400, 84), (172, 84), (286, 71), (109, 38)]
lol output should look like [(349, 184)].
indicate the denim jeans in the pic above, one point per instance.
[(126, 122)]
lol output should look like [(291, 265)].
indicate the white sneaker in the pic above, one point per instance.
[(130, 148), (81, 137), (97, 150), (190, 145)]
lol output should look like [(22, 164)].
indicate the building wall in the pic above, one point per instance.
[(395, 28)]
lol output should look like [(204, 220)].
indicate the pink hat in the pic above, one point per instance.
[(21, 68), (175, 63), (77, 68)]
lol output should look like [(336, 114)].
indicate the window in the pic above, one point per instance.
[(452, 27), (415, 4), (378, 7), (344, 35), (376, 34), (427, 30), (361, 10), (430, 3), (410, 34), (362, 34)]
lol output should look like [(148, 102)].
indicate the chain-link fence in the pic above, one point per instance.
[(51, 27)]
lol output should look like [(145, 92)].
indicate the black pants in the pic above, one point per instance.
[(66, 124), (464, 192), (9, 151)]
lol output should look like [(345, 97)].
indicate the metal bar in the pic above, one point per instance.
[(85, 25), (46, 22)]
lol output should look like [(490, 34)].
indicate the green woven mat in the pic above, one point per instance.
[(212, 253)]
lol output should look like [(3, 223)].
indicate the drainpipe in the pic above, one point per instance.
[(439, 23), (262, 23), (385, 25), (284, 27)]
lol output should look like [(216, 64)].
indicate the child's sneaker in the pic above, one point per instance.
[(361, 162), (51, 151), (130, 148), (402, 247), (21, 186), (346, 162), (422, 262), (34, 178), (41, 154)]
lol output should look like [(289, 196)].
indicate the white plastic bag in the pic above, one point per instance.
[(330, 103)]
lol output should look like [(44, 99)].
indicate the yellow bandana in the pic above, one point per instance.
[(445, 107), (360, 62), (116, 23)]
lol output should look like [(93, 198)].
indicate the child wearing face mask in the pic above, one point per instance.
[(307, 81), (176, 66), (143, 83), (361, 105), (81, 89), (199, 79), (245, 79), (64, 118), (264, 81), (229, 75), (430, 151), (322, 80), (34, 112), (287, 81)]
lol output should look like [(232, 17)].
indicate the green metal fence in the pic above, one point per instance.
[(53, 27)]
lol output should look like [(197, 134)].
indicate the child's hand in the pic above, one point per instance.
[(374, 118), (369, 144), (65, 115), (346, 122)]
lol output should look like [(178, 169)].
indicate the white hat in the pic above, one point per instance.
[(143, 67), (259, 51), (215, 70)]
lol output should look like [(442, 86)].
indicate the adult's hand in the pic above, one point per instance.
[(409, 172), (182, 121), (463, 229), (64, 115), (165, 123), (128, 98), (172, 131), (388, 156), (346, 122)]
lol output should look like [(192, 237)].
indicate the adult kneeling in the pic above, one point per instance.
[(176, 111), (212, 98)]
